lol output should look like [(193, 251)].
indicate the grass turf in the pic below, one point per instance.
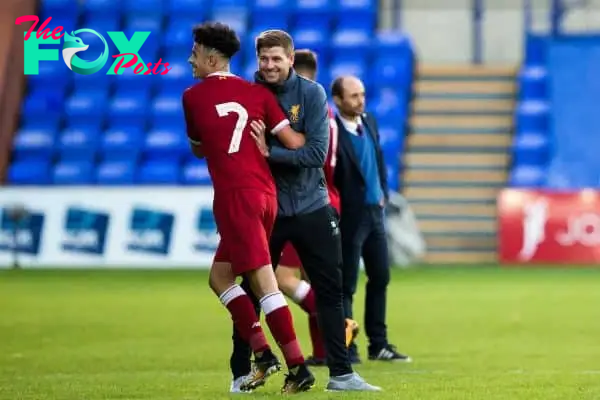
[(474, 333)]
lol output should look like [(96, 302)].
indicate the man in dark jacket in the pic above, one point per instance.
[(305, 217), (361, 179)]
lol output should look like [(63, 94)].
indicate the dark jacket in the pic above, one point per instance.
[(348, 176), (298, 173)]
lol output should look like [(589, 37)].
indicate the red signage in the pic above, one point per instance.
[(549, 227)]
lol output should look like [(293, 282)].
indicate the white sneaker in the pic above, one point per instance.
[(236, 386)]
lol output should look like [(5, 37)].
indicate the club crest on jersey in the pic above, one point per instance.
[(294, 113)]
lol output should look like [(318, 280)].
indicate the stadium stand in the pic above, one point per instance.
[(127, 129), (457, 157), (554, 147)]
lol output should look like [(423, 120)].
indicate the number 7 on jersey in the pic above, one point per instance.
[(225, 109)]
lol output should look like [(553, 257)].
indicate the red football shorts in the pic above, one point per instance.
[(244, 219), (289, 257)]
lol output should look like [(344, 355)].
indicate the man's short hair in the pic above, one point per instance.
[(337, 87), (217, 36), (275, 38), (305, 59)]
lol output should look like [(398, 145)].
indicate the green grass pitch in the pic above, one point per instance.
[(474, 333)]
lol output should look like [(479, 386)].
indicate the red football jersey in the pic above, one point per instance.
[(218, 112), (329, 167)]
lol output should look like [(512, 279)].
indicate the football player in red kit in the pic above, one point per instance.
[(299, 290), (219, 112)]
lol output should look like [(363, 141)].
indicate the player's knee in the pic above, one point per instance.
[(286, 280), (262, 281), (379, 279), (221, 278)]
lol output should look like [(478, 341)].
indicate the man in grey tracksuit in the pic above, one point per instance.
[(305, 217)]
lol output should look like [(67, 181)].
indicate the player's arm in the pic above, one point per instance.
[(278, 124), (192, 132), (314, 151)]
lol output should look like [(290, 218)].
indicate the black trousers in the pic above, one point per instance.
[(367, 239), (316, 238)]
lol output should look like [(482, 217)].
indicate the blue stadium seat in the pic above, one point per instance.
[(527, 176), (249, 70), (389, 106), (165, 144), (73, 173), (105, 7), (533, 83), (314, 12), (43, 104), (535, 49), (167, 110), (188, 8), (29, 172), (391, 140), (178, 79), (393, 43), (51, 73), (314, 37), (392, 71), (34, 143), (121, 144), (156, 172), (351, 65), (116, 172), (78, 144), (530, 148), (572, 174), (179, 34), (154, 7), (393, 172), (129, 110), (195, 172), (351, 40), (94, 81), (103, 23), (357, 10), (234, 13), (532, 116), (271, 12), (143, 22), (63, 8), (86, 107)]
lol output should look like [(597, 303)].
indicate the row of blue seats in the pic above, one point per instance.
[(124, 143), (111, 172), (75, 7), (153, 172)]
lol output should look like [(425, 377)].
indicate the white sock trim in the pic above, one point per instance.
[(301, 292), (272, 302), (231, 294)]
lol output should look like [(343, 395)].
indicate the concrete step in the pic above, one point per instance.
[(461, 257), (449, 193), (473, 87), (487, 225), (466, 72), (454, 209), (443, 140), (467, 106), (453, 175), (449, 160), (460, 243), (471, 122)]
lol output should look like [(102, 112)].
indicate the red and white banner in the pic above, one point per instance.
[(549, 227)]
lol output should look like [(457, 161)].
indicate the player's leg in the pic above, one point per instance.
[(236, 300), (254, 216), (301, 292), (317, 240)]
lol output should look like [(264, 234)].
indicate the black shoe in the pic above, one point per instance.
[(389, 353), (300, 379), (316, 362), (262, 368), (353, 354)]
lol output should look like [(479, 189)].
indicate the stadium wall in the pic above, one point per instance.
[(12, 81), (134, 227)]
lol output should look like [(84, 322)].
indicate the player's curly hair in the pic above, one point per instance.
[(217, 36)]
